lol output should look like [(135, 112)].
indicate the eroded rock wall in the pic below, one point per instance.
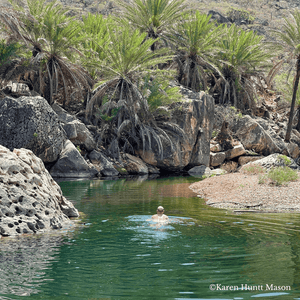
[(189, 141), (30, 200)]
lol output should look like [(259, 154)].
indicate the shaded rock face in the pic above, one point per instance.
[(31, 200), (190, 148), (30, 122), (103, 164), (76, 131), (254, 137), (134, 165), (72, 164)]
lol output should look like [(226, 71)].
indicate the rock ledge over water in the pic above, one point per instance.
[(30, 200)]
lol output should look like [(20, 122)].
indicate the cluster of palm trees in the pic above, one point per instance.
[(116, 64)]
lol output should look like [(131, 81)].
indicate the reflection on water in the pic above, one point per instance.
[(23, 262), (120, 254)]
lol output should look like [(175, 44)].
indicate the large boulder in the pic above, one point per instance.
[(31, 200), (103, 164), (134, 165), (200, 171), (189, 127), (76, 131), (30, 122), (254, 137), (273, 160), (72, 164)]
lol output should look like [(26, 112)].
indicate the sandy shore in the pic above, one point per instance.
[(238, 191)]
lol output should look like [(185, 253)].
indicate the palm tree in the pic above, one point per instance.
[(242, 59), (12, 64), (94, 30), (196, 38), (8, 51), (118, 101), (155, 17), (289, 40), (53, 37)]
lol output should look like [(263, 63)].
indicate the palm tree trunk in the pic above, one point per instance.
[(296, 82), (298, 124)]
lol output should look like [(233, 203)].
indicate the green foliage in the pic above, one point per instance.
[(289, 35), (242, 57), (127, 61), (284, 159), (240, 49), (8, 51), (158, 92), (214, 134), (196, 38), (154, 17), (282, 175), (78, 148), (35, 135), (289, 42), (53, 37), (111, 116), (95, 39)]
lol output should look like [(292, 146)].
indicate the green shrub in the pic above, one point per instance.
[(284, 159), (282, 175), (262, 178), (158, 92), (214, 134)]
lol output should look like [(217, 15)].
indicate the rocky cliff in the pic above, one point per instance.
[(30, 200)]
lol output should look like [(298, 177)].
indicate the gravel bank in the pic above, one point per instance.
[(238, 191)]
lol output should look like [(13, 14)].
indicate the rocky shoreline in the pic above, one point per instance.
[(244, 192)]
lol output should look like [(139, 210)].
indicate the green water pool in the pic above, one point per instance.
[(203, 253)]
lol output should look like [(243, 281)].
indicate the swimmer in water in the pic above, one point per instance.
[(160, 217)]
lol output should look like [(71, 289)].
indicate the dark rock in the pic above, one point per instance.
[(134, 165), (72, 164), (103, 163), (216, 159), (215, 15), (189, 129), (30, 122), (224, 138), (76, 131)]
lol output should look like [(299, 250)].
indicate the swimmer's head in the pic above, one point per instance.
[(160, 209)]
